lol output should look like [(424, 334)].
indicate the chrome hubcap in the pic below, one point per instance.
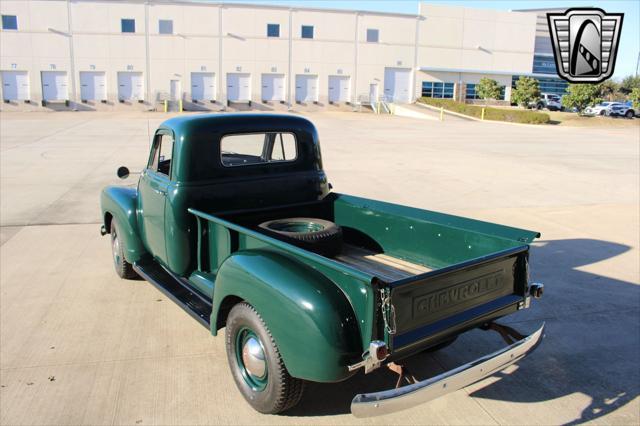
[(253, 358), (115, 247)]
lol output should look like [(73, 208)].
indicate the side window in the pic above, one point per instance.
[(284, 147), (162, 153)]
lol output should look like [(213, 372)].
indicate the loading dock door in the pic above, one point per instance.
[(15, 85), (339, 88), (203, 86), (93, 86), (273, 87), (306, 88), (175, 90), (130, 86), (238, 87), (54, 86), (397, 84), (373, 92)]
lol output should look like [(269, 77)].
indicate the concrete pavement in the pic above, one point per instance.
[(80, 346)]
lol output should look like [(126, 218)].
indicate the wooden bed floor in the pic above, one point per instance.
[(386, 267)]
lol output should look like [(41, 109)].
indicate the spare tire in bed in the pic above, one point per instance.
[(316, 235)]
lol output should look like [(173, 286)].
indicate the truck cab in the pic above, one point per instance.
[(233, 218)]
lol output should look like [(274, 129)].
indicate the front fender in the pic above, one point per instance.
[(120, 203), (308, 316)]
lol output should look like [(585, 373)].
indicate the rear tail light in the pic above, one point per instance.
[(378, 350)]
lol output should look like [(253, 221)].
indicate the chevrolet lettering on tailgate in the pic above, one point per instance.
[(434, 302)]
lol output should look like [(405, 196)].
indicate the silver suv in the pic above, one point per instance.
[(550, 101)]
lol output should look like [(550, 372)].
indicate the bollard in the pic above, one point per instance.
[(482, 116), (180, 105), (166, 105), (441, 113)]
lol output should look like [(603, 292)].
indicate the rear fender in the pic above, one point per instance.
[(120, 203), (308, 316)]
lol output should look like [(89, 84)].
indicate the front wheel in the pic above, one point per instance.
[(256, 364), (629, 114), (124, 269)]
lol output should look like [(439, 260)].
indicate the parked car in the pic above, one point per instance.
[(623, 110), (550, 101), (234, 220), (603, 108)]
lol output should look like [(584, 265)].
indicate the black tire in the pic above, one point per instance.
[(316, 235), (539, 106), (629, 114), (277, 391), (603, 112), (123, 268)]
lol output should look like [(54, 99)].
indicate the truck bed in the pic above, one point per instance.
[(441, 274)]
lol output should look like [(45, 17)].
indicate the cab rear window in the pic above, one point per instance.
[(257, 148)]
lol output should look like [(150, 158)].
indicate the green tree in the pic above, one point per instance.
[(527, 91), (609, 90), (629, 83), (634, 97), (581, 96), (488, 89)]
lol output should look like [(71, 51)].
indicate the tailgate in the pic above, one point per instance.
[(447, 301)]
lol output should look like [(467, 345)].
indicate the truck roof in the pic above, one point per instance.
[(224, 123), (196, 152)]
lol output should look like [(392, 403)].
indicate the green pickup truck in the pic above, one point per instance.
[(234, 220)]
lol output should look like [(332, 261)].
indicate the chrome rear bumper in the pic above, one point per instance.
[(378, 403)]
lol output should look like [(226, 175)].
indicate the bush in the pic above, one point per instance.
[(527, 91), (634, 97), (488, 89), (580, 96), (494, 114)]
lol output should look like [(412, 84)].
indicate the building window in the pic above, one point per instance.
[(555, 86), (373, 35), (165, 26), (9, 22), (128, 25), (273, 30), (472, 93), (306, 31), (437, 90), (544, 65)]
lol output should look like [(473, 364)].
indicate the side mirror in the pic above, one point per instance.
[(123, 172)]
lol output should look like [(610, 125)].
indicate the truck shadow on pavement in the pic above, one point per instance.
[(590, 348)]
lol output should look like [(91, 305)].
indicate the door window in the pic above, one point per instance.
[(162, 153)]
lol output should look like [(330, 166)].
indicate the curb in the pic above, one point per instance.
[(446, 111), (457, 114)]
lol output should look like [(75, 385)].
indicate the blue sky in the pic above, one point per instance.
[(629, 40)]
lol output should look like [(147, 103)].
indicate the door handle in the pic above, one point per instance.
[(159, 191)]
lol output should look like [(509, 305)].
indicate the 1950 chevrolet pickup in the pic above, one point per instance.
[(233, 219)]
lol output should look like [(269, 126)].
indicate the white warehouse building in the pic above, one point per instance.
[(97, 54)]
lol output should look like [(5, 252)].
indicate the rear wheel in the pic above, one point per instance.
[(256, 364), (629, 114), (124, 269)]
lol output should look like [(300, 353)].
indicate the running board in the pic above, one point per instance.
[(176, 290)]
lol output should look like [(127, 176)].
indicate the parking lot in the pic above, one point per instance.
[(80, 346)]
